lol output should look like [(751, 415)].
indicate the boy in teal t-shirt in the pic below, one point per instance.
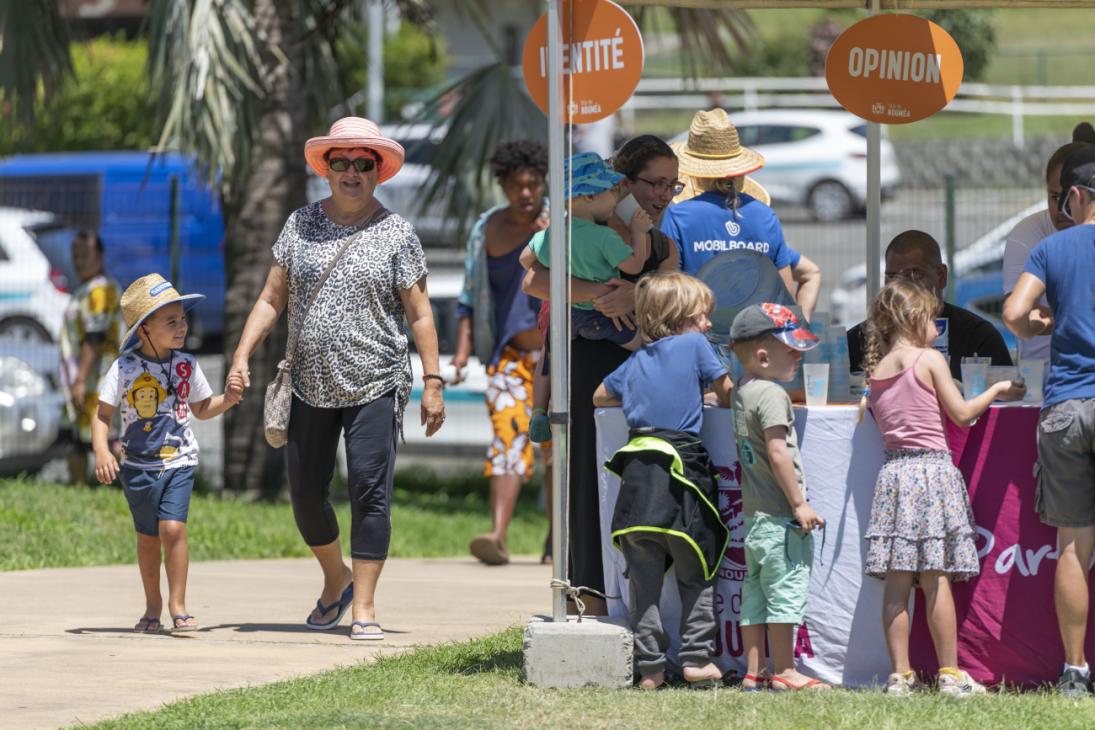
[(597, 253)]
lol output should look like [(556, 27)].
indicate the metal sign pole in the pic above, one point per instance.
[(560, 342), (874, 201)]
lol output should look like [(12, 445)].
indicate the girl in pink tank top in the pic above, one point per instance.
[(921, 527)]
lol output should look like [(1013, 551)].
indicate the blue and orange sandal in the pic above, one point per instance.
[(342, 604), (363, 635)]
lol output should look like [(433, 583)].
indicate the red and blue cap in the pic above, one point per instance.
[(758, 320)]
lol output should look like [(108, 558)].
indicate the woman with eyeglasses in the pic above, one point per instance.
[(650, 169), (350, 369)]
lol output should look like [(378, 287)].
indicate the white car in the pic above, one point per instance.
[(31, 405), (815, 158), (403, 193), (31, 306)]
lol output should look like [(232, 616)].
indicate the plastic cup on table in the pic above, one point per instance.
[(816, 375), (975, 376), (1033, 374)]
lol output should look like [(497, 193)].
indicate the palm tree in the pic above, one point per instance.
[(242, 83)]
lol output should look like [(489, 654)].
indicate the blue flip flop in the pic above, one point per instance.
[(343, 603), (376, 636)]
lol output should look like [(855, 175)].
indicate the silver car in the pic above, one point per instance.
[(31, 405)]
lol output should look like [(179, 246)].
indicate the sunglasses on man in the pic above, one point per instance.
[(342, 164)]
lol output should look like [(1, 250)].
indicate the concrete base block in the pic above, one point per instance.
[(598, 652)]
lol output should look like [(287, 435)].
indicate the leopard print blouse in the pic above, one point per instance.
[(352, 346)]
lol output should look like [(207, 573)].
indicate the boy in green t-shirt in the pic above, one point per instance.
[(779, 548), (597, 253)]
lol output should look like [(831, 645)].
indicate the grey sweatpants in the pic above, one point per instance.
[(645, 553)]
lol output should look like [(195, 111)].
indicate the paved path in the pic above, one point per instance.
[(67, 653)]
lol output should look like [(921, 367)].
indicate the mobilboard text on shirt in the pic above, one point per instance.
[(154, 398), (704, 227)]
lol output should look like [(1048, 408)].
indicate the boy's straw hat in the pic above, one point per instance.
[(351, 132), (713, 148), (145, 296)]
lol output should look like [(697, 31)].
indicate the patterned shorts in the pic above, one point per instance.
[(509, 402)]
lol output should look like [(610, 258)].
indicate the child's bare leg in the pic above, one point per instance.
[(541, 383), (148, 561), (942, 623), (781, 638), (176, 559), (781, 641), (895, 618), (752, 637)]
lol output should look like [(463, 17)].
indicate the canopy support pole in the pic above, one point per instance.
[(874, 202), (560, 342)]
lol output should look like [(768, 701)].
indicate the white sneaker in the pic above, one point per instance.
[(903, 685), (957, 683)]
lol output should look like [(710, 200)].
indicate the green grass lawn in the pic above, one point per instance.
[(50, 526), (477, 685)]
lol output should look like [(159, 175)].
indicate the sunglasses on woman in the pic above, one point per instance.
[(342, 164)]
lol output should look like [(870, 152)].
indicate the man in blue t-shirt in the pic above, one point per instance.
[(705, 227), (1062, 267)]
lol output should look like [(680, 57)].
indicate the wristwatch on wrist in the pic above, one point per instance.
[(433, 376)]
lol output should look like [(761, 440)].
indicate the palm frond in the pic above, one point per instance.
[(492, 107), (210, 63), (702, 34), (320, 79), (34, 53)]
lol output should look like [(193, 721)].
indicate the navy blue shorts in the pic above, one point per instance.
[(592, 325), (154, 496)]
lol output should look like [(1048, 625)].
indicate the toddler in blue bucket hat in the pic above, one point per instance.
[(597, 253)]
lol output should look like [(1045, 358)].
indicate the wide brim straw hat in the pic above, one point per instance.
[(351, 132), (713, 148), (749, 186), (145, 296)]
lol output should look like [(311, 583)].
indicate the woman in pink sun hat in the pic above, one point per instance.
[(348, 271)]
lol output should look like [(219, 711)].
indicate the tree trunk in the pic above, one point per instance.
[(274, 188)]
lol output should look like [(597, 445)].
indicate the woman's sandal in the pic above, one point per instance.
[(760, 683), (183, 622), (364, 635), (785, 685), (148, 625)]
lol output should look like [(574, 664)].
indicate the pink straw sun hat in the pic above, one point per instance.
[(350, 132)]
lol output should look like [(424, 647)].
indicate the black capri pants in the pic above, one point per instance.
[(370, 431)]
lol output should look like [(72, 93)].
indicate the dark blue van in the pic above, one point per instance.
[(136, 201)]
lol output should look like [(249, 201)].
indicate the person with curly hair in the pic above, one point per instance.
[(498, 323)]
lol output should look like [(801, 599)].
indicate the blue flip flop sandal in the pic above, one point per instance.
[(377, 636), (179, 623), (343, 603)]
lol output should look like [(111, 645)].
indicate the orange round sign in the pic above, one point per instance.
[(602, 59), (894, 69)]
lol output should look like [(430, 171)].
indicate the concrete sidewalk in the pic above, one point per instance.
[(68, 654)]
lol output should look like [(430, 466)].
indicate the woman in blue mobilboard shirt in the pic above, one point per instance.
[(722, 218)]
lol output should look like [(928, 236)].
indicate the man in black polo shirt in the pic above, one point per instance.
[(914, 256)]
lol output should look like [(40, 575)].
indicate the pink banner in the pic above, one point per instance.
[(1007, 624)]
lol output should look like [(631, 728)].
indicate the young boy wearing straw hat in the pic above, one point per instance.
[(157, 388)]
